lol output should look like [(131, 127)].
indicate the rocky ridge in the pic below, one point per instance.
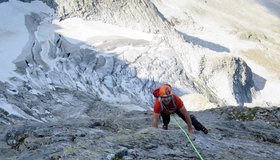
[(244, 133)]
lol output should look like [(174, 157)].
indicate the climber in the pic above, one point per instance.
[(167, 103)]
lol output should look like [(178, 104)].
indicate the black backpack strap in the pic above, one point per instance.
[(173, 101), (161, 104)]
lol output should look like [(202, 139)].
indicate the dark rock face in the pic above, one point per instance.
[(128, 135), (3, 1)]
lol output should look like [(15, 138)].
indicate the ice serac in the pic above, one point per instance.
[(203, 68)]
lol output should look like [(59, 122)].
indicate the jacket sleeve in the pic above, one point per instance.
[(157, 108), (178, 101)]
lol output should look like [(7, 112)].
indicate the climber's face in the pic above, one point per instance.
[(166, 99)]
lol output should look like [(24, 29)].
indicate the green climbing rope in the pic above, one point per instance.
[(186, 134)]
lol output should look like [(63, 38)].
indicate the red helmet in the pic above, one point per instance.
[(165, 90)]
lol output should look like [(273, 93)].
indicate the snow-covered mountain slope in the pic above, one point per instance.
[(148, 18), (247, 29), (119, 51)]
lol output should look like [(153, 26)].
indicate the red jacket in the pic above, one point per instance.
[(179, 103)]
